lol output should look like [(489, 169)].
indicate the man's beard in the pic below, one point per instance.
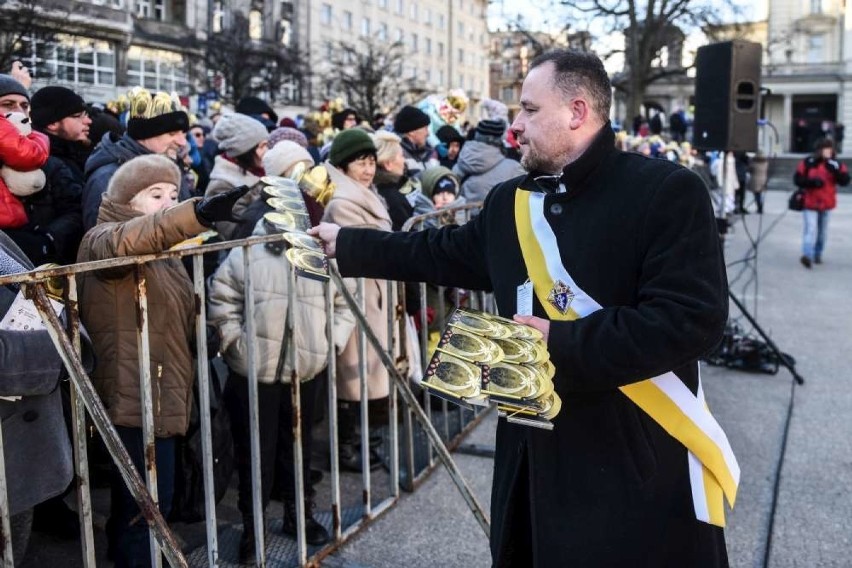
[(532, 161)]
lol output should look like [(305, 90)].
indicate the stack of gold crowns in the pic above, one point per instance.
[(290, 216), (482, 358)]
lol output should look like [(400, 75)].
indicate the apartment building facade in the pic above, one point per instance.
[(101, 47)]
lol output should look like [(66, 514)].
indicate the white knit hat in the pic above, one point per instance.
[(283, 156), (237, 134)]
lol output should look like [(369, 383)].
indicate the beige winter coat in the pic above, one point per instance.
[(269, 274), (225, 176), (108, 310), (356, 206)]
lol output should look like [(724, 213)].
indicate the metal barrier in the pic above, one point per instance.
[(420, 437)]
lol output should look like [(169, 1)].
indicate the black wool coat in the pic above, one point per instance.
[(607, 486)]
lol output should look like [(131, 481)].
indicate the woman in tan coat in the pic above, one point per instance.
[(139, 215), (355, 203)]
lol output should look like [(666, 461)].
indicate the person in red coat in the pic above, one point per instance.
[(17, 151), (819, 174)]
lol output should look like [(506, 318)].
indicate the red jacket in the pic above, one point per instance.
[(820, 179), (23, 153)]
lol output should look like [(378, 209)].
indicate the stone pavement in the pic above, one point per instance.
[(808, 314)]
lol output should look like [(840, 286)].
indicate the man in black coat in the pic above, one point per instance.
[(636, 237), (55, 225)]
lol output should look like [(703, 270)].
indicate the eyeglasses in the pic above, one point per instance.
[(80, 115)]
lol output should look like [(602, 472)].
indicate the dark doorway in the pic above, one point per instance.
[(814, 117)]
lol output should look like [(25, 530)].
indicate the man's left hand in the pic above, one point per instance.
[(540, 324)]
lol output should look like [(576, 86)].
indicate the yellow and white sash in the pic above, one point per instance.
[(713, 469)]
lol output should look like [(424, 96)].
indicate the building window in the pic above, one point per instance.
[(347, 20), (156, 69), (461, 81), (383, 4), (413, 11), (427, 16), (287, 11), (816, 45), (325, 14), (218, 17), (440, 78), (414, 45), (400, 35), (400, 7), (816, 6), (440, 49), (460, 28), (365, 26), (442, 22), (285, 29), (461, 56), (255, 25), (70, 60), (154, 9), (382, 32), (428, 46)]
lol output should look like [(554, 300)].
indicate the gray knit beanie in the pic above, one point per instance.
[(11, 86), (237, 134), (139, 173), (490, 131)]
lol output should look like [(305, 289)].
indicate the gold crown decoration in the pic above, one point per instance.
[(482, 358), (318, 185), (143, 104), (290, 216), (118, 106)]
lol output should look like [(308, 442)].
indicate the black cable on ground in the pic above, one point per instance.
[(776, 485)]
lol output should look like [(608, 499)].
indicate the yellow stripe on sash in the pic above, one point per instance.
[(534, 258), (719, 472)]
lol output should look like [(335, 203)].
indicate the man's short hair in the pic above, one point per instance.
[(580, 70)]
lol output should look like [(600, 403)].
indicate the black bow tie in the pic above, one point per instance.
[(549, 183)]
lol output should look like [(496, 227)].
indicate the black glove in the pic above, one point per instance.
[(219, 207), (832, 165), (814, 182)]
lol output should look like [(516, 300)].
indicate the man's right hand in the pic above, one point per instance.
[(327, 233)]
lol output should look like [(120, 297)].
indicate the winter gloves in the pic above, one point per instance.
[(219, 207)]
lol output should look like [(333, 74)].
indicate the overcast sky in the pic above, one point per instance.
[(540, 16)]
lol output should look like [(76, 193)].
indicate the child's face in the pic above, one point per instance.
[(155, 198), (443, 198)]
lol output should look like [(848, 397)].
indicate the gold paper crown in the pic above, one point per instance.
[(145, 105)]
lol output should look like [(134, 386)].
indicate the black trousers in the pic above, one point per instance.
[(275, 419)]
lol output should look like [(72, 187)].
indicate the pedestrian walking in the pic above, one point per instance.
[(819, 175)]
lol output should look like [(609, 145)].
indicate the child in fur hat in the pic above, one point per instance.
[(139, 214)]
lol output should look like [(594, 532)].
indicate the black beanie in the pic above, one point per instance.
[(144, 128), (254, 105), (410, 118), (447, 134), (51, 104), (338, 118)]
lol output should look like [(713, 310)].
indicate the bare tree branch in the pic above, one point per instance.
[(368, 75)]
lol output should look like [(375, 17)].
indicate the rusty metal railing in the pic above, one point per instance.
[(418, 412)]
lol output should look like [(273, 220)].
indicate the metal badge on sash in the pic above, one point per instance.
[(561, 296)]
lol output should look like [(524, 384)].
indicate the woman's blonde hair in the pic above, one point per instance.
[(387, 144)]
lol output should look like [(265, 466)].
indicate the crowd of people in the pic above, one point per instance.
[(82, 183)]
